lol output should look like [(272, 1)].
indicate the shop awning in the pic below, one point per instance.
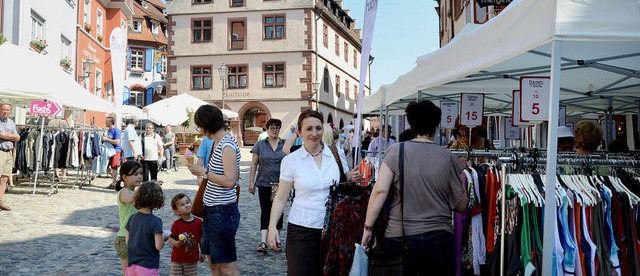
[(26, 75), (600, 60)]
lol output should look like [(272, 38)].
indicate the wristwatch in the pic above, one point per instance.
[(206, 175)]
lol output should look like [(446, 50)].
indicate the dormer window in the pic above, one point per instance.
[(137, 26), (144, 5)]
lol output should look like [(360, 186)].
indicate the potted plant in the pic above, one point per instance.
[(100, 38), (186, 124), (38, 44), (2, 39), (87, 27), (65, 63)]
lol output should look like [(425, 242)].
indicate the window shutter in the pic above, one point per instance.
[(126, 95), (148, 61), (149, 96), (128, 59)]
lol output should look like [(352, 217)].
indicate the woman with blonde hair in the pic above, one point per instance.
[(329, 135), (587, 136)]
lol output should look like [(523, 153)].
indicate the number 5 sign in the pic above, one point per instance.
[(534, 98), (450, 113), (471, 109)]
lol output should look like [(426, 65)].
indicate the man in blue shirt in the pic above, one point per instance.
[(113, 137), (131, 146)]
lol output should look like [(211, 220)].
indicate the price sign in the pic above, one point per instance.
[(534, 98), (511, 132), (471, 109), (450, 113), (562, 116), (515, 111)]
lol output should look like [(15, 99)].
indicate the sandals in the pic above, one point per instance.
[(278, 247), (262, 248)]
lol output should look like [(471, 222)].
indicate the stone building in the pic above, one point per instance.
[(282, 56)]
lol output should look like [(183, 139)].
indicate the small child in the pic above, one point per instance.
[(186, 233), (131, 176), (144, 231)]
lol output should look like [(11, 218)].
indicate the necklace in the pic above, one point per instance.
[(316, 154), (423, 139)]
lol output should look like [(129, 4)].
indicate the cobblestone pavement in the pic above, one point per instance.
[(72, 232)]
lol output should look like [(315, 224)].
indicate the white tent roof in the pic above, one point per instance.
[(173, 110), (601, 54), (29, 75)]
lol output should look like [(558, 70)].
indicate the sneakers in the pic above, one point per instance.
[(110, 187)]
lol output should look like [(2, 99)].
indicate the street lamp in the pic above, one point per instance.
[(87, 67), (159, 89), (224, 71)]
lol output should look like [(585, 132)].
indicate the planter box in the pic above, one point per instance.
[(35, 48), (182, 148)]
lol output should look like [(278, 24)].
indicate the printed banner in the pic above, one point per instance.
[(118, 45), (371, 7)]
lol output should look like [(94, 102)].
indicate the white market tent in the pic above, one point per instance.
[(588, 48), (599, 61), (173, 110), (27, 75)]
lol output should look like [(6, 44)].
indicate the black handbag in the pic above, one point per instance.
[(382, 263)]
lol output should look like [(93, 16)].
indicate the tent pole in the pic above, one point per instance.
[(35, 181), (552, 154)]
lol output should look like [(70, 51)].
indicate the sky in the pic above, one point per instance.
[(404, 30)]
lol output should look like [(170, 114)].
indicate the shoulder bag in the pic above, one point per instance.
[(197, 208), (343, 176), (382, 263)]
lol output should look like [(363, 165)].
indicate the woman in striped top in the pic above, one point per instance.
[(222, 216)]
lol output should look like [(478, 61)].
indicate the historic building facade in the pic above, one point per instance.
[(282, 57), (147, 54)]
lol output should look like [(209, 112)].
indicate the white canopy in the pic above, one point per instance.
[(28, 75), (173, 110), (599, 62), (588, 48), (130, 111)]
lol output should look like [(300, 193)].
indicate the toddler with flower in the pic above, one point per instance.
[(186, 234)]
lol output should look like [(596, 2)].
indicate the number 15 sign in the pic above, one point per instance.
[(471, 109)]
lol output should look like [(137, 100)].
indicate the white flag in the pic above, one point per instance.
[(370, 10), (118, 45)]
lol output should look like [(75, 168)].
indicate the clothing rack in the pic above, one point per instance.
[(84, 173), (505, 157)]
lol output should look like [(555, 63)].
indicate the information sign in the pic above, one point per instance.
[(471, 109), (511, 132), (534, 98), (562, 115), (515, 111), (450, 111), (45, 108)]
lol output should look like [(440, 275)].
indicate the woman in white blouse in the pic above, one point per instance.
[(311, 170)]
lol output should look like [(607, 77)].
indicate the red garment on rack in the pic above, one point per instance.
[(491, 191), (619, 235), (577, 217), (365, 172)]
